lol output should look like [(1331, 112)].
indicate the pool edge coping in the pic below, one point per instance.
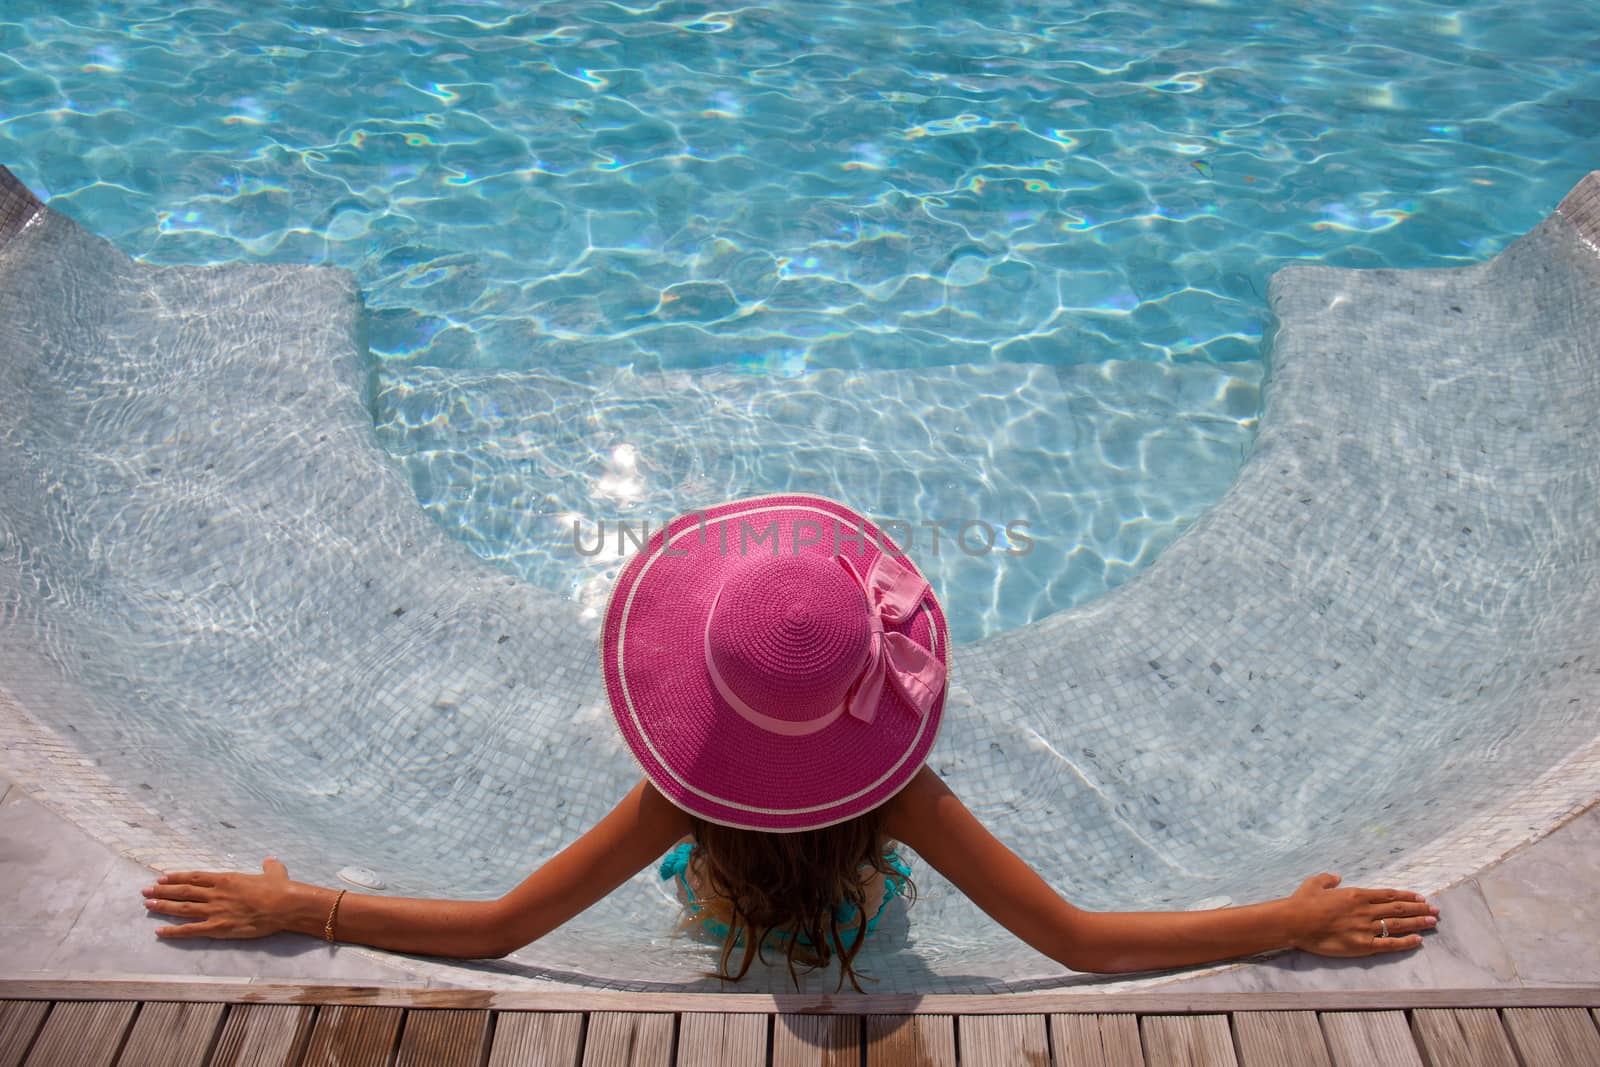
[(51, 771)]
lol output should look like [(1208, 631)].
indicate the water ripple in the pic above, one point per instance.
[(586, 190)]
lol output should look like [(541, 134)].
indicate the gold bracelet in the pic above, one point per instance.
[(327, 927)]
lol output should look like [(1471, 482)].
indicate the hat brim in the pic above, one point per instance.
[(698, 752)]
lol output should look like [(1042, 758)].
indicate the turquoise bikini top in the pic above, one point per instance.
[(676, 865)]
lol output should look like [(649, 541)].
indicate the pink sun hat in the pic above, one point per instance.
[(775, 663)]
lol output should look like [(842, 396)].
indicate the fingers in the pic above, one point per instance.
[(1404, 933), (182, 930), (1400, 909), (1411, 926), (205, 878), (177, 892), (1384, 896), (180, 908), (271, 865), (1408, 907)]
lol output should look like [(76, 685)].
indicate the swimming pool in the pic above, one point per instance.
[(203, 543), (810, 206)]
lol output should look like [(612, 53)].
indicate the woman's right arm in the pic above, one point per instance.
[(223, 904), (933, 822)]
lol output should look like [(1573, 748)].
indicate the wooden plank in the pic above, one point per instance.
[(19, 1022), (1187, 1041), (172, 1035), (1462, 1037), (443, 1037), (536, 1039), (1002, 1040), (263, 1035), (347, 1035), (709, 1039), (911, 1041), (1152, 1003), (629, 1039), (1096, 1040), (1555, 1036), (1273, 1038), (81, 1034), (816, 1041), (1370, 1039)]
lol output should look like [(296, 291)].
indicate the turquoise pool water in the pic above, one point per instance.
[(949, 264)]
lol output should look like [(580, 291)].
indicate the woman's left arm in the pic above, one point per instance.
[(227, 905), (927, 816)]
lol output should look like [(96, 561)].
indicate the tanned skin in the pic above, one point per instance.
[(926, 816)]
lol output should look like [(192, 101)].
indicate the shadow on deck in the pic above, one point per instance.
[(100, 1024)]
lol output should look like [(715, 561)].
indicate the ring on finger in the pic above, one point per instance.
[(1383, 926)]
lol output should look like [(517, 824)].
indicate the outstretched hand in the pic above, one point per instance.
[(1329, 921), (223, 904)]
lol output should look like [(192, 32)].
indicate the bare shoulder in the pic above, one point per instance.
[(913, 812), (661, 814), (928, 816)]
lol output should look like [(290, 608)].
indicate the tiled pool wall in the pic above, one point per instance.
[(1376, 654)]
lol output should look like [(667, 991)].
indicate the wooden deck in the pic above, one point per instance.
[(188, 1024)]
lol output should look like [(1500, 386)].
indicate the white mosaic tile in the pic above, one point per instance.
[(1377, 654)]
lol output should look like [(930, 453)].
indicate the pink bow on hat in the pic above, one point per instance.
[(893, 592)]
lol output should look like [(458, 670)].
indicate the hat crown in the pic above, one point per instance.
[(789, 636)]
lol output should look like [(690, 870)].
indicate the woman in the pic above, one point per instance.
[(778, 668)]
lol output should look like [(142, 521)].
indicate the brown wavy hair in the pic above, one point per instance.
[(759, 883)]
